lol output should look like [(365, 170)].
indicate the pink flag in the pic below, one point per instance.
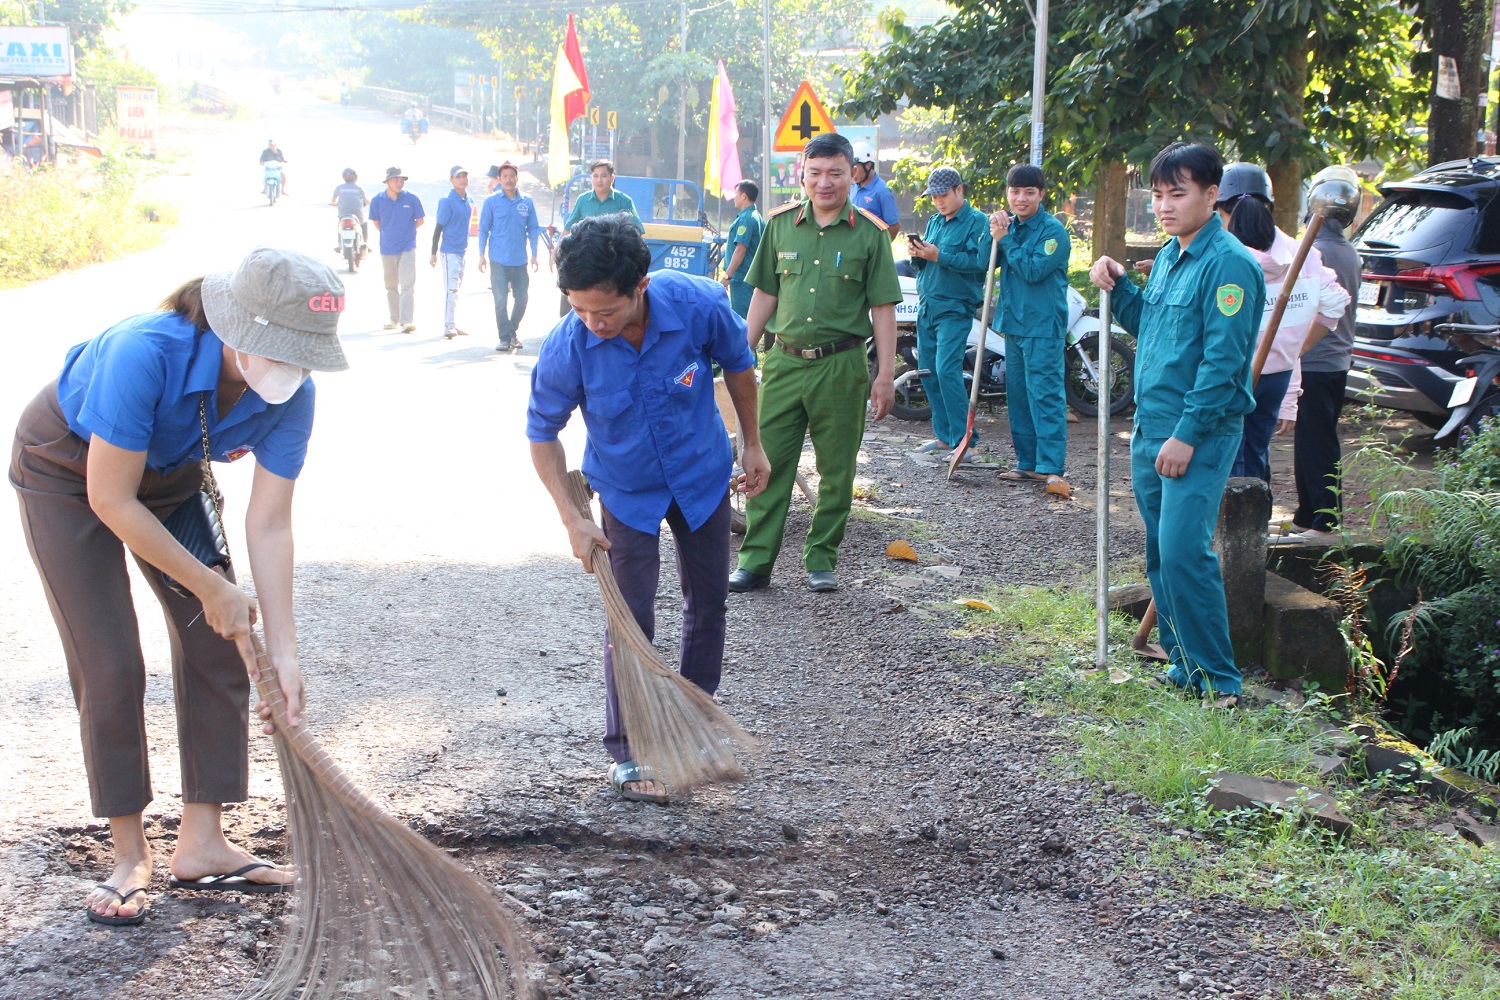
[(724, 138)]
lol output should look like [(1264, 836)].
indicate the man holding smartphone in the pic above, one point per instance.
[(950, 258)]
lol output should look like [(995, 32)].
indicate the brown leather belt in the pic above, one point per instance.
[(814, 353)]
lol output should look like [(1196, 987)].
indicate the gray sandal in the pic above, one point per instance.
[(621, 775)]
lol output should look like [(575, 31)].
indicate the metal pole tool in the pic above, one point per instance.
[(1101, 557)]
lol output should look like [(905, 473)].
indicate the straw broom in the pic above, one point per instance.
[(377, 910), (676, 730)]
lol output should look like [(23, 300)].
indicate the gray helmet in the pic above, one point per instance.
[(1245, 178), (1335, 191), (349, 175)]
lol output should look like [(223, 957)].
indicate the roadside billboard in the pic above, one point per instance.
[(135, 110), (40, 52)]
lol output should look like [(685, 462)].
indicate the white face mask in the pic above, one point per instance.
[(273, 381)]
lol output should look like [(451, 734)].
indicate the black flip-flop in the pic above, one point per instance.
[(629, 772), (234, 881), (117, 920), (1020, 476)]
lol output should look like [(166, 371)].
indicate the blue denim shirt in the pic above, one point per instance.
[(1196, 324), (137, 385), (506, 226), (654, 431)]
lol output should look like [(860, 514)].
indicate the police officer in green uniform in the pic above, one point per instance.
[(1033, 317), (1195, 324), (950, 257), (744, 237), (824, 280)]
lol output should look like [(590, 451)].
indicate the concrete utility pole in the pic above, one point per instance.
[(1038, 81), (682, 95), (765, 149)]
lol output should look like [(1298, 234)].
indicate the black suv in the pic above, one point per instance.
[(1431, 263)]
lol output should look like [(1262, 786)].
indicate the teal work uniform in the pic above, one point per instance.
[(745, 232), (826, 279), (1033, 316), (951, 288), (1195, 323), (588, 204)]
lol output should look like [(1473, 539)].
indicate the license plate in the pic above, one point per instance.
[(1463, 392), (1369, 293)]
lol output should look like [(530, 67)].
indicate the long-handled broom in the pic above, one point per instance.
[(377, 910), (676, 730)]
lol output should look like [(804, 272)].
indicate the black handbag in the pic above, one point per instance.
[(197, 523)]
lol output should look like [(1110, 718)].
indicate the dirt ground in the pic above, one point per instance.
[(910, 829)]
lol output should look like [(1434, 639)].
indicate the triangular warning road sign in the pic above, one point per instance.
[(804, 119)]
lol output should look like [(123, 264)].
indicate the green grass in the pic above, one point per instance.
[(1412, 914)]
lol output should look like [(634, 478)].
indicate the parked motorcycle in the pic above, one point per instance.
[(1080, 368), (272, 180), (1477, 395), (350, 242)]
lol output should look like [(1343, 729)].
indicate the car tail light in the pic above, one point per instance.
[(1459, 281), (1398, 359)]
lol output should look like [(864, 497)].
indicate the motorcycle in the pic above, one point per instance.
[(272, 180), (1477, 396), (350, 242), (414, 128), (1080, 368)]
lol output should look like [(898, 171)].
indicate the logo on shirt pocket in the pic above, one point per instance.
[(686, 376)]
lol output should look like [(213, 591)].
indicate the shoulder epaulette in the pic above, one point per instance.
[(872, 217), (783, 208)]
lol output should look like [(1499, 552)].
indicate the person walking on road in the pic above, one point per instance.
[(871, 193), (825, 281), (1033, 317), (106, 451), (1195, 325), (1317, 451), (636, 356), (744, 237), (508, 224), (451, 237), (950, 258), (397, 214)]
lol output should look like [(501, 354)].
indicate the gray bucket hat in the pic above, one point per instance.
[(279, 305)]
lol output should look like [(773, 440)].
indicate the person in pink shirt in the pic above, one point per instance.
[(1317, 302)]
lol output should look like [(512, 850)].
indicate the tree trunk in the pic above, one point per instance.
[(1109, 211), (1457, 30), (1286, 173)]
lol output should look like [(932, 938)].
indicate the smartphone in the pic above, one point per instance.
[(913, 239)]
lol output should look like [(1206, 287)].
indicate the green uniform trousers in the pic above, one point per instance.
[(942, 337), (825, 399), (1180, 516), (1036, 404)]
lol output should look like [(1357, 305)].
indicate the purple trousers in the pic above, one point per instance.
[(703, 568)]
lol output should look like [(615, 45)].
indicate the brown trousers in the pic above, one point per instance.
[(82, 564)]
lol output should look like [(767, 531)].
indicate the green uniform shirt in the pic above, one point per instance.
[(589, 204), (1195, 323), (745, 231), (963, 244), (1033, 263), (826, 279)]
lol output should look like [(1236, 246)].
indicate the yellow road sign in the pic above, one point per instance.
[(612, 120), (519, 92), (804, 119), (494, 82), (593, 115)]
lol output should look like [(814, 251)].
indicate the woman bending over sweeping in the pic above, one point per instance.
[(101, 457)]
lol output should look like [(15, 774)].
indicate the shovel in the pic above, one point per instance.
[(984, 333)]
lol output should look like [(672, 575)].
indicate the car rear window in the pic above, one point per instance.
[(1416, 220)]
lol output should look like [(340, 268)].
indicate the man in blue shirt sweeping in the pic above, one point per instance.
[(451, 237), (507, 224), (636, 356)]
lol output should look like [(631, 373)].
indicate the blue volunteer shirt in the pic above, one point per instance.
[(876, 198), (654, 431), (506, 226), (398, 221), (137, 385), (453, 214)]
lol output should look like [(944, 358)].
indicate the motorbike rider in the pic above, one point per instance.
[(350, 199), (1317, 451), (273, 152)]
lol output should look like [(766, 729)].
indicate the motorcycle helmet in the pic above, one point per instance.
[(1245, 178), (1335, 191), (349, 175), (864, 152)]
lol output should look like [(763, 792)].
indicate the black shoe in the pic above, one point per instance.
[(822, 581), (742, 580)]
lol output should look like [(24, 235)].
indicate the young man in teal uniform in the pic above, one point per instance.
[(950, 258), (603, 199), (744, 237), (824, 281), (1033, 317), (1195, 325)]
